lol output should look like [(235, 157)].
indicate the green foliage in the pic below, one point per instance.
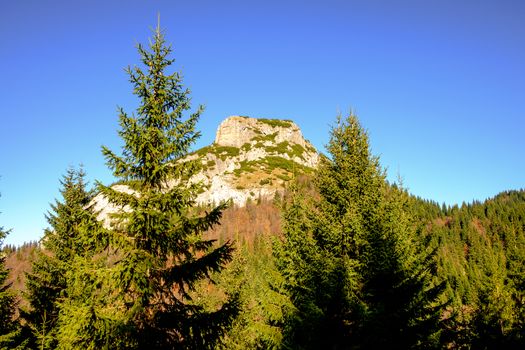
[(310, 148), (245, 167), (264, 182), (274, 162), (354, 268), (224, 152), (315, 281), (261, 139), (7, 304), (157, 234), (11, 336), (481, 253), (74, 233), (281, 147), (221, 152), (92, 314), (269, 164), (201, 152), (284, 177), (297, 151), (276, 123), (284, 147), (360, 264), (253, 275)]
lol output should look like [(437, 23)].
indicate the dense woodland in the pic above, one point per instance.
[(343, 260)]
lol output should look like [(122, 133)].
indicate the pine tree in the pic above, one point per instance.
[(253, 275), (7, 303), (401, 292), (157, 236), (72, 234), (321, 283), (351, 257), (9, 327)]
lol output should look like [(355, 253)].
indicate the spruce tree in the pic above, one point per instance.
[(401, 291), (9, 327), (157, 234), (351, 257), (321, 283), (486, 243), (7, 302), (71, 234)]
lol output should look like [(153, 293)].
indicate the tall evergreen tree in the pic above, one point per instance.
[(71, 233), (400, 291), (157, 234), (351, 257), (321, 283)]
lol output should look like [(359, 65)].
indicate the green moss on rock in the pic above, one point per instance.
[(276, 122), (264, 138)]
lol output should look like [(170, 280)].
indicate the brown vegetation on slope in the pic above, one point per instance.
[(244, 224)]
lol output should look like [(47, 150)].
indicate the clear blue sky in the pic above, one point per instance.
[(439, 84)]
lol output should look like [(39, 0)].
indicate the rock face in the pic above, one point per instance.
[(235, 131), (250, 159), (104, 208)]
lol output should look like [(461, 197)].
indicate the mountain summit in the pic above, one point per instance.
[(236, 131), (251, 159)]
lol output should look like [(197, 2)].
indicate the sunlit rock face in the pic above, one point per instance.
[(235, 131), (253, 158)]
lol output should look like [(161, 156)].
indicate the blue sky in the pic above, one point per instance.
[(440, 85)]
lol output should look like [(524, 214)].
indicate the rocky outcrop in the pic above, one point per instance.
[(235, 131), (252, 158), (103, 208)]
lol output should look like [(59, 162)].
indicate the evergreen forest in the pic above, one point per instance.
[(343, 260)]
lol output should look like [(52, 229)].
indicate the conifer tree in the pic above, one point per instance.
[(7, 303), (351, 257), (400, 291), (321, 283), (157, 235), (72, 234), (9, 327), (487, 241)]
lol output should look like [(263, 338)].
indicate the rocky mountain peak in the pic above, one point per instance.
[(253, 158), (235, 131)]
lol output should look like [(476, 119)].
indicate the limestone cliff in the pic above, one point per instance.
[(236, 131), (252, 158)]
